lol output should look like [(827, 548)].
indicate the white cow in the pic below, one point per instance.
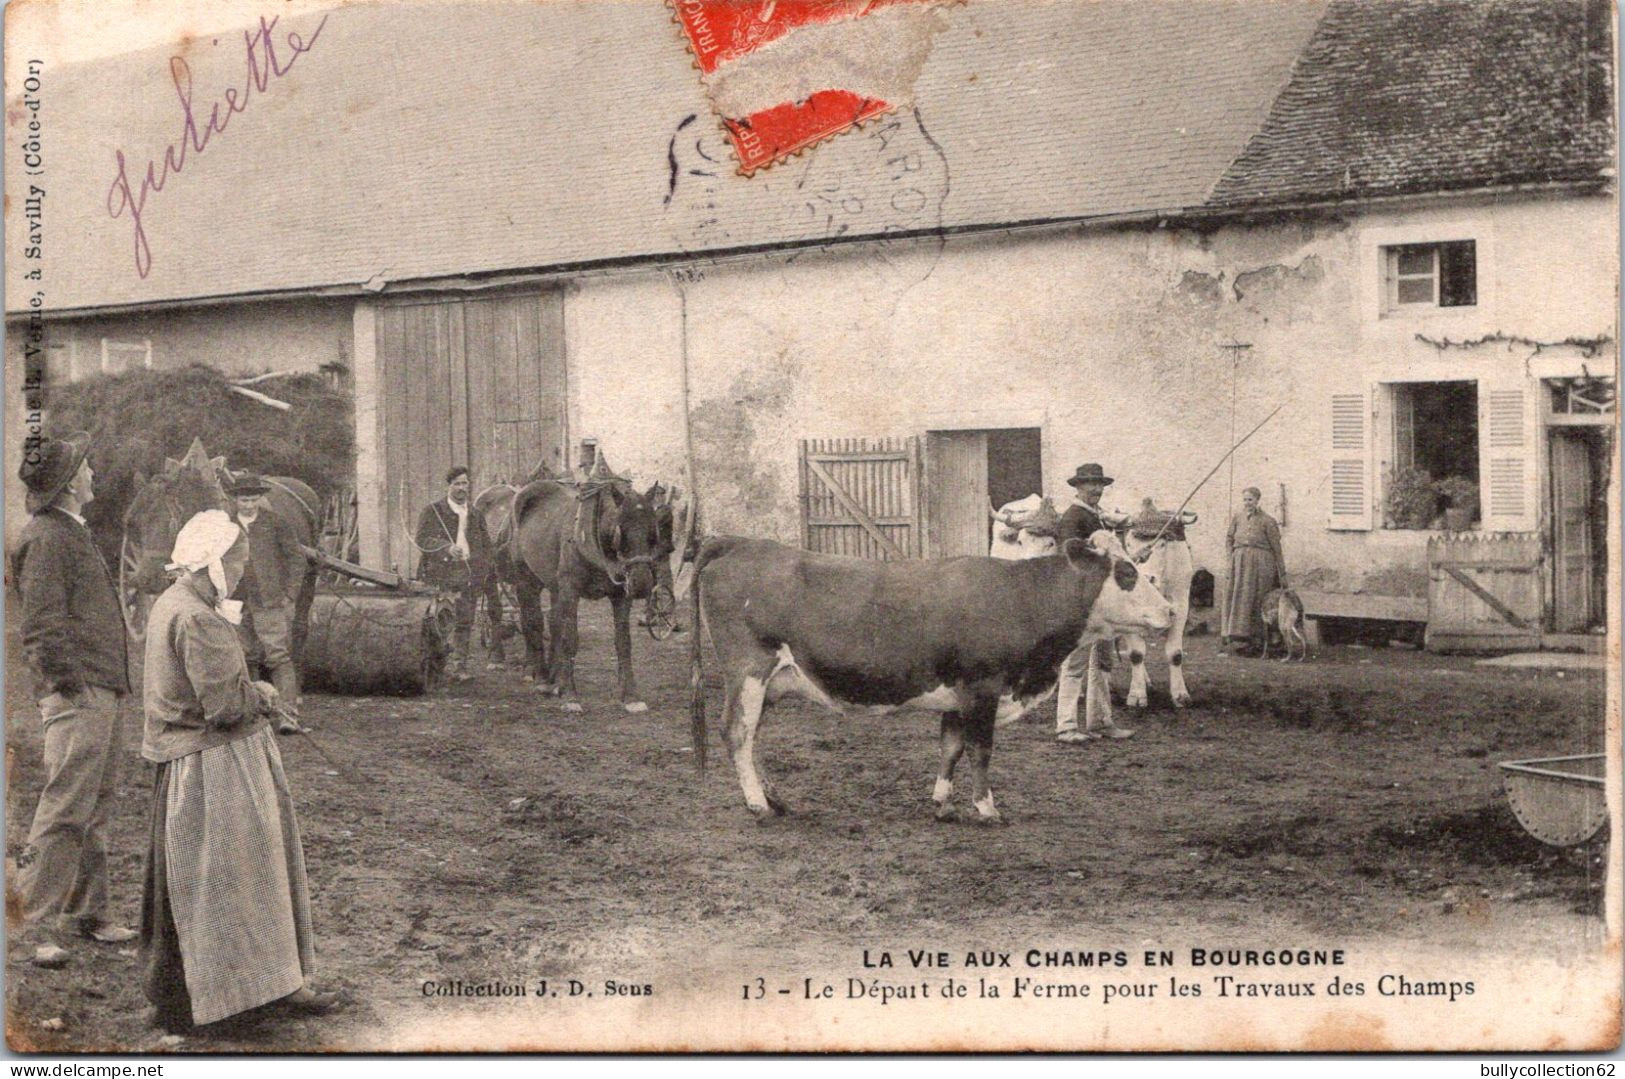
[(1166, 558), (1157, 542), (1024, 529)]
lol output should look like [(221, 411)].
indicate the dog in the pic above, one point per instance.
[(1283, 612)]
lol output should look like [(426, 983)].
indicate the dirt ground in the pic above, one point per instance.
[(483, 831)]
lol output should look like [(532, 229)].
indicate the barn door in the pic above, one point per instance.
[(465, 382), (957, 481), (515, 347), (861, 497)]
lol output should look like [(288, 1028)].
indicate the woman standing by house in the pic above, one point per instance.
[(1257, 567), (226, 921)]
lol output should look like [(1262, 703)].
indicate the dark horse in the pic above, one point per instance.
[(599, 540), (166, 501)]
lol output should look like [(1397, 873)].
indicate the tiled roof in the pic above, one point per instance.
[(424, 140), (421, 140), (1402, 96)]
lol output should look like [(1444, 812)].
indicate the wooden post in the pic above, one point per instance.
[(696, 673)]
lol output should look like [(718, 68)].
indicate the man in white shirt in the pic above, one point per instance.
[(454, 552)]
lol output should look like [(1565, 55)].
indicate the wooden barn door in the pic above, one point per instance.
[(476, 382), (515, 347), (956, 463), (861, 497)]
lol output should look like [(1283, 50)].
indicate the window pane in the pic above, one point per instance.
[(1458, 276), (1416, 290), (1415, 260)]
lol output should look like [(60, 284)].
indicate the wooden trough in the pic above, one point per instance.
[(388, 639)]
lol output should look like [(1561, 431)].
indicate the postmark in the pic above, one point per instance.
[(784, 75)]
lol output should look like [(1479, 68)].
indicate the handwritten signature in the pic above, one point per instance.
[(264, 65)]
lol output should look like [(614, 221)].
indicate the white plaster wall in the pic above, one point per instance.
[(1107, 339), (239, 339), (623, 343)]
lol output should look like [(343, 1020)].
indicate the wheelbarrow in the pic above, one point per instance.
[(1558, 800)]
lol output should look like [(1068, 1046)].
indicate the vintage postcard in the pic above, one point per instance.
[(796, 525)]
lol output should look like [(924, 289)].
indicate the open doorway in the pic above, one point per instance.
[(966, 472)]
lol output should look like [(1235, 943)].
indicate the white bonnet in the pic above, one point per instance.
[(204, 540)]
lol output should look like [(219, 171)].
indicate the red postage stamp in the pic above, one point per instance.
[(785, 74)]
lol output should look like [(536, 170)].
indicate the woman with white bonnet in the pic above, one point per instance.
[(225, 921)]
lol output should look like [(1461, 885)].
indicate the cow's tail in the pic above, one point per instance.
[(709, 551)]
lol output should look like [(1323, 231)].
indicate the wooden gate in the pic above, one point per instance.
[(861, 497), (1484, 593)]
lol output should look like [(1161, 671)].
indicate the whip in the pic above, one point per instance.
[(300, 728), (1176, 515)]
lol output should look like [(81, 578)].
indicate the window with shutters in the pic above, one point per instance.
[(1435, 454), (1350, 507), (1508, 500), (1423, 277)]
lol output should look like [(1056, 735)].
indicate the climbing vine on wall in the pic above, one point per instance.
[(1590, 346)]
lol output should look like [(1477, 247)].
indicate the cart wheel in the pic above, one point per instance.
[(660, 614), (134, 602)]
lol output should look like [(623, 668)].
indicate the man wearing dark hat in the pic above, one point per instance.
[(269, 590), (1084, 517), (73, 636), (1087, 667)]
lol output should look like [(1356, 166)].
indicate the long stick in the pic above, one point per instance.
[(300, 728), (696, 676), (1211, 473)]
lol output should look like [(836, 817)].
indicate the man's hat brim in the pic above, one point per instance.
[(1079, 481), (37, 501)]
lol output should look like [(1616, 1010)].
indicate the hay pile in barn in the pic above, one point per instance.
[(138, 418)]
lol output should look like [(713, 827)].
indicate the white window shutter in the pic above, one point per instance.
[(1505, 459), (1351, 463)]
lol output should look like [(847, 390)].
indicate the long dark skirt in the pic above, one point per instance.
[(163, 976)]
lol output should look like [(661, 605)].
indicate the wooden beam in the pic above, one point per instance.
[(1494, 603), (255, 395), (854, 509), (1363, 605)]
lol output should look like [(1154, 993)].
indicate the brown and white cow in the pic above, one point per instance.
[(862, 637)]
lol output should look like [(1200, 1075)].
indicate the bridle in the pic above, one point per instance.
[(590, 547), (172, 507)]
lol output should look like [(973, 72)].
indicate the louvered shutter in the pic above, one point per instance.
[(1351, 463), (1508, 503)]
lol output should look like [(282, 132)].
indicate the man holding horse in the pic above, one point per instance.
[(73, 636), (269, 590), (455, 556)]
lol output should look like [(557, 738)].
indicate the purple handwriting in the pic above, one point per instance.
[(263, 66)]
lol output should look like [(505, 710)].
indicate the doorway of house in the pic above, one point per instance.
[(1579, 514), (966, 472)]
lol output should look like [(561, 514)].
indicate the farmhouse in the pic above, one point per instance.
[(1123, 231)]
